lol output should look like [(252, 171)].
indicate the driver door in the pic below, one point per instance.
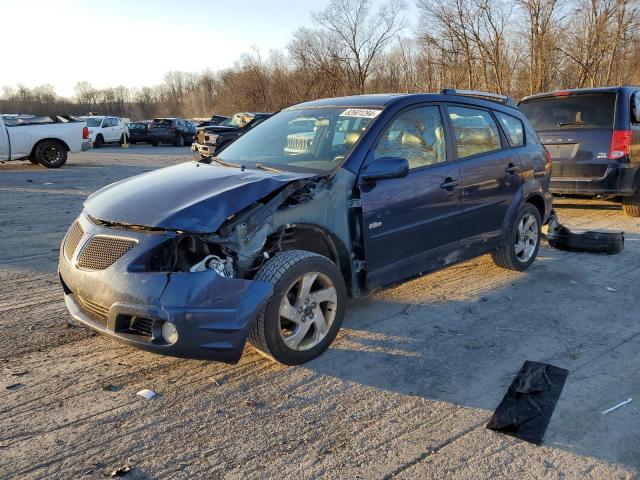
[(411, 224)]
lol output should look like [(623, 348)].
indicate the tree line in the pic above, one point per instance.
[(515, 47)]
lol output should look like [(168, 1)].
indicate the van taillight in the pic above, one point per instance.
[(85, 133), (620, 144)]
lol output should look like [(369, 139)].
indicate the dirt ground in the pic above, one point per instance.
[(405, 391)]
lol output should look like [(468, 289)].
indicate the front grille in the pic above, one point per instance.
[(93, 308), (141, 326), (74, 235), (101, 251)]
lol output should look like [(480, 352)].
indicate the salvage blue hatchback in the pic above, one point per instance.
[(324, 200)]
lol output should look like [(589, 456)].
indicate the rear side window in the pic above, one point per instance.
[(475, 130), (513, 128), (571, 111), (161, 122), (416, 135), (635, 107)]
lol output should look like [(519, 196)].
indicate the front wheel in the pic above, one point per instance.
[(99, 142), (51, 154), (520, 244), (631, 205), (306, 310)]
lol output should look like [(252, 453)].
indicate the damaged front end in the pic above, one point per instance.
[(186, 293)]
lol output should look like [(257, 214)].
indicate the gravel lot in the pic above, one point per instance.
[(404, 392)]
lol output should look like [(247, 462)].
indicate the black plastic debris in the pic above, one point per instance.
[(527, 407), (562, 238)]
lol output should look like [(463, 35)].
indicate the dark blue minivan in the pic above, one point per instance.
[(593, 136), (324, 200)]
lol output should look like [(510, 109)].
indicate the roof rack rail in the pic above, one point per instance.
[(492, 97)]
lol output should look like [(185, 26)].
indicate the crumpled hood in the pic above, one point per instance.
[(193, 197)]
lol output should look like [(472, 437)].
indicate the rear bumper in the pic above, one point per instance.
[(619, 179), (163, 137), (88, 145), (211, 313)]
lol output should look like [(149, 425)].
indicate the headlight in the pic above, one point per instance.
[(169, 333)]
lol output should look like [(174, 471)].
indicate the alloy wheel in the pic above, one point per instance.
[(526, 237), (307, 311)]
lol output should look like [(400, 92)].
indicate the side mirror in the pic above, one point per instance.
[(385, 168)]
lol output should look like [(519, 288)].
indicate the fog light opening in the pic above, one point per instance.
[(169, 333)]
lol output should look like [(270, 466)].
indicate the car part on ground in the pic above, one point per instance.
[(331, 198), (562, 238)]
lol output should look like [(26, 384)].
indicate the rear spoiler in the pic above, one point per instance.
[(492, 97)]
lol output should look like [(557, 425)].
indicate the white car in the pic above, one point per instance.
[(104, 129), (44, 140)]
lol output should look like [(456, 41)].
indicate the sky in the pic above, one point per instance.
[(134, 43)]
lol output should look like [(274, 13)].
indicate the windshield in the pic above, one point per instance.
[(134, 126), (93, 121), (571, 111), (304, 140)]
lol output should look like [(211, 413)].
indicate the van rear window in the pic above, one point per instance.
[(161, 122), (571, 111)]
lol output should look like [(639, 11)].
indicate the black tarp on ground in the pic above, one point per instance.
[(527, 407)]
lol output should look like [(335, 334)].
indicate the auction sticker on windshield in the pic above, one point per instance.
[(361, 113)]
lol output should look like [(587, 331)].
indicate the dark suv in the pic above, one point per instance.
[(323, 200), (593, 136), (176, 131)]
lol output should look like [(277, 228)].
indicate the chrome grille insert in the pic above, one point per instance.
[(93, 308), (74, 235), (101, 251)]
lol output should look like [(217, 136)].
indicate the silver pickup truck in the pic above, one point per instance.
[(42, 139)]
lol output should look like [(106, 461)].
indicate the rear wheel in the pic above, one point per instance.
[(521, 242), (306, 310), (631, 205), (51, 154), (179, 141)]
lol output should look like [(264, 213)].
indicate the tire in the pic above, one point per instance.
[(155, 144), (631, 205), (50, 154), (304, 339), (507, 255), (179, 141), (99, 141)]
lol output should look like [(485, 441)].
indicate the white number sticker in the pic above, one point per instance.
[(361, 113)]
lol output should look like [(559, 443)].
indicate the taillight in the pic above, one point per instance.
[(85, 133), (561, 94), (620, 144)]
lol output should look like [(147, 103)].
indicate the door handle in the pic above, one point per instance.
[(449, 183), (511, 168)]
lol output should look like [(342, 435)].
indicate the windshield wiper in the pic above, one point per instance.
[(266, 169), (566, 124), (222, 162)]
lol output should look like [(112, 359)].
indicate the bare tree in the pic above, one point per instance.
[(360, 35)]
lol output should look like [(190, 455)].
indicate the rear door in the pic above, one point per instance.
[(576, 129), (490, 171), (411, 224)]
